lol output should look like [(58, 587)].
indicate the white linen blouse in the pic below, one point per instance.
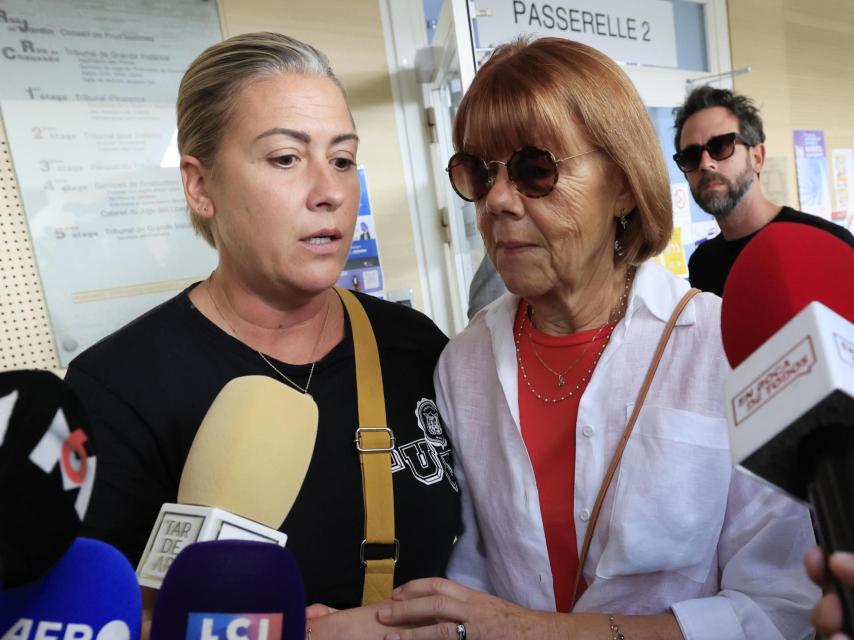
[(680, 528)]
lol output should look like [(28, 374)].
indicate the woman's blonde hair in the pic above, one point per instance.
[(531, 92), (209, 90)]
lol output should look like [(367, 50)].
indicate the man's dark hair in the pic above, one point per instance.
[(742, 107)]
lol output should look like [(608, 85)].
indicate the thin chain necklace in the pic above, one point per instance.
[(560, 375), (263, 357), (616, 312)]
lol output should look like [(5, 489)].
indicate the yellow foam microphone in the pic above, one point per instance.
[(244, 471)]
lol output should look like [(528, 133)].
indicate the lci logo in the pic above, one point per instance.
[(234, 626)]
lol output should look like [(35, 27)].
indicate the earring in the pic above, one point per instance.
[(624, 223)]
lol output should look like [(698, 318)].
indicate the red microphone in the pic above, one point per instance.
[(784, 268), (786, 320)]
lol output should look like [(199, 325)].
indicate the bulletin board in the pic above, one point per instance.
[(95, 218)]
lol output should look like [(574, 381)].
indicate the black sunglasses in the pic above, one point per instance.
[(532, 171), (719, 147)]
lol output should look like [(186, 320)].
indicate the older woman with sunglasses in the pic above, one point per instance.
[(586, 404)]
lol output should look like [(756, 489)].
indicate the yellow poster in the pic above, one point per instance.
[(673, 257)]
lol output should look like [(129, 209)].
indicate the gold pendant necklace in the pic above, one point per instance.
[(613, 318), (572, 391), (560, 375)]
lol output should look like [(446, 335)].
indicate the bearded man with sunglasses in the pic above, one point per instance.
[(720, 149)]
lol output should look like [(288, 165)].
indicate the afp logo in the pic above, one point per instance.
[(234, 626), (27, 629)]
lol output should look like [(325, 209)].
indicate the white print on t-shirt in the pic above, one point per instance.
[(429, 458)]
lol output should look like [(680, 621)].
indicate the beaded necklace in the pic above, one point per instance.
[(616, 314)]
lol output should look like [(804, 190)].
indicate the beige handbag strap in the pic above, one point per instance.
[(374, 441), (627, 432)]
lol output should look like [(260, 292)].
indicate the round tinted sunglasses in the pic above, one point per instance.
[(532, 171), (719, 147)]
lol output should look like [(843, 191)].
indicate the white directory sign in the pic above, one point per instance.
[(87, 100), (635, 31), (101, 50), (108, 223)]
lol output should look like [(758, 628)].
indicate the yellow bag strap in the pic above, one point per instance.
[(374, 441)]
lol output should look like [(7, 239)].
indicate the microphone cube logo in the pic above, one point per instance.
[(234, 626), (797, 362), (174, 533), (59, 445), (845, 348)]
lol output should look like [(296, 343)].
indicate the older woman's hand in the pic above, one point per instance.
[(827, 615), (359, 623), (437, 606)]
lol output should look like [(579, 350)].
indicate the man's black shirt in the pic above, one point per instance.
[(711, 262)]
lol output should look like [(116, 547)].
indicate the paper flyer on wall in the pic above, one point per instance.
[(363, 271), (673, 257), (680, 196), (705, 230), (811, 165), (842, 175), (774, 179)]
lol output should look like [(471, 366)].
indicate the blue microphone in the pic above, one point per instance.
[(91, 593), (227, 589)]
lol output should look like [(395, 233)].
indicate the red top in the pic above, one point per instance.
[(548, 430)]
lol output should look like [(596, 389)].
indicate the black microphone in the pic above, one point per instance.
[(787, 329), (47, 468)]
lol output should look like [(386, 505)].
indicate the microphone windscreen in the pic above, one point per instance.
[(212, 585), (47, 468), (91, 592), (252, 450), (780, 271)]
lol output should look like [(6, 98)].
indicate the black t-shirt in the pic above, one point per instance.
[(710, 263), (148, 386)]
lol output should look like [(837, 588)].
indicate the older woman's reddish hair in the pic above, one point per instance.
[(531, 92)]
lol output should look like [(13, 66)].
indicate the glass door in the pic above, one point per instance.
[(454, 71)]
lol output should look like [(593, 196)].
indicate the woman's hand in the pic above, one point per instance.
[(827, 615), (359, 623), (318, 611), (437, 606)]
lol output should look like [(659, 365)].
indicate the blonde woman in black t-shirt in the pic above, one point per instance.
[(268, 162)]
